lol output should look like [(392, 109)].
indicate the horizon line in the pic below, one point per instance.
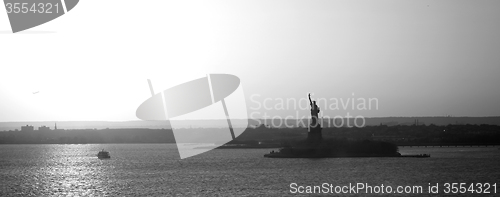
[(497, 116)]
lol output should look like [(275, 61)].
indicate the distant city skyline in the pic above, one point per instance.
[(417, 58)]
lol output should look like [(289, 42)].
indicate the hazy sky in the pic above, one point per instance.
[(417, 58)]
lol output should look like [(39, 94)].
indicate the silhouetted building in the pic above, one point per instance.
[(43, 128), (27, 128), (55, 127)]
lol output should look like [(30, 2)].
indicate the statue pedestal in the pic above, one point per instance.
[(314, 134)]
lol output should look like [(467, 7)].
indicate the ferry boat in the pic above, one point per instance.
[(103, 154)]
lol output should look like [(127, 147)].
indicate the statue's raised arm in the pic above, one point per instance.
[(310, 102)]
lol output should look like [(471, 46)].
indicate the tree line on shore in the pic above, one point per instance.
[(399, 134)]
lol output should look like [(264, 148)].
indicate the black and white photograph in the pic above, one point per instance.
[(250, 98)]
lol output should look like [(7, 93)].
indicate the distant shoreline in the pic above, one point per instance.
[(274, 146), (370, 121), (262, 136)]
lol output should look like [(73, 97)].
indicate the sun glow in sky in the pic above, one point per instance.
[(418, 58)]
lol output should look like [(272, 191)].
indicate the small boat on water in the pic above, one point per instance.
[(103, 154)]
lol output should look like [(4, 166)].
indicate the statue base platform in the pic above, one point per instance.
[(314, 135)]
